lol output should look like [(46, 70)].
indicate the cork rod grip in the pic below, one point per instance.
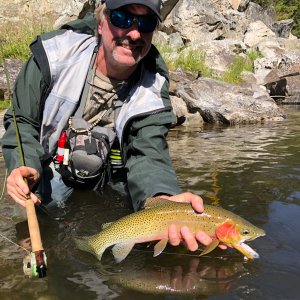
[(33, 226)]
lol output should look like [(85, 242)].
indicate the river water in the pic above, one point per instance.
[(252, 170)]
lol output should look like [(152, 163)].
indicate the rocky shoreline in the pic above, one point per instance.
[(223, 31)]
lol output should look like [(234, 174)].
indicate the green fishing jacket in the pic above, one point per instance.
[(42, 105)]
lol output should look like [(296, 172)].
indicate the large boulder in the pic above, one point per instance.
[(197, 20), (220, 102)]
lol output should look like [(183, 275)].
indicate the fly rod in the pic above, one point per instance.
[(35, 264)]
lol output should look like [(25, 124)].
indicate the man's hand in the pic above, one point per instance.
[(18, 189), (185, 235)]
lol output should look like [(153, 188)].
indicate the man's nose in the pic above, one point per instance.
[(134, 33)]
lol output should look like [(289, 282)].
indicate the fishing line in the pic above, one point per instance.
[(12, 242)]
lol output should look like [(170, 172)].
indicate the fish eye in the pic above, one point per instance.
[(245, 231)]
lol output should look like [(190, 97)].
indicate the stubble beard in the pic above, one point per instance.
[(119, 43)]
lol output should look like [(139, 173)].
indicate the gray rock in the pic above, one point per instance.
[(283, 28), (255, 12), (220, 102)]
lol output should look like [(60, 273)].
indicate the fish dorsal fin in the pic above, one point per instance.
[(213, 245), (105, 225), (156, 201), (159, 247), (121, 250)]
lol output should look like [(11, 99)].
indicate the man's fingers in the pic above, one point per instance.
[(35, 199), (203, 238), (197, 204), (188, 197), (18, 189), (189, 239), (16, 181), (222, 246), (18, 200), (28, 172), (174, 237)]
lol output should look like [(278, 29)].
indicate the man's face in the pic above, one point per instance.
[(125, 47)]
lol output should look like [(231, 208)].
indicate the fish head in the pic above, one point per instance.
[(235, 234)]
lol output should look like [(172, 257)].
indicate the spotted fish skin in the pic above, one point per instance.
[(153, 222)]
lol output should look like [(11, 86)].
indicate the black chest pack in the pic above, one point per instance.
[(85, 162)]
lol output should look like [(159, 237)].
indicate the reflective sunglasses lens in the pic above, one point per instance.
[(147, 24), (120, 19)]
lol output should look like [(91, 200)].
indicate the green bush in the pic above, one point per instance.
[(240, 64), (233, 74), (187, 59), (193, 60), (15, 41), (4, 104)]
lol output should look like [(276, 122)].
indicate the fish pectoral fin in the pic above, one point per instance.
[(159, 247), (120, 251), (213, 245)]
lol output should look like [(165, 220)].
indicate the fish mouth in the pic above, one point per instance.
[(247, 251)]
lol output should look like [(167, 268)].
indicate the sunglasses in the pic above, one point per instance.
[(124, 20)]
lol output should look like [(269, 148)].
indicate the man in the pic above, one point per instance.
[(72, 70)]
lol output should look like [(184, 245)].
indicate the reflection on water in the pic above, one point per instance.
[(252, 170), (178, 275)]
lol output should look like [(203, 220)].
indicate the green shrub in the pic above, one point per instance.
[(187, 59), (4, 104), (193, 60), (233, 74), (16, 40), (253, 55), (239, 65)]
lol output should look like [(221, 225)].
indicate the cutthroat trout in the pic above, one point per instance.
[(153, 222)]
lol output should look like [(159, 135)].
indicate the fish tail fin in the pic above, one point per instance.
[(84, 243)]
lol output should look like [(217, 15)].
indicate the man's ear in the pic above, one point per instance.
[(100, 28)]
